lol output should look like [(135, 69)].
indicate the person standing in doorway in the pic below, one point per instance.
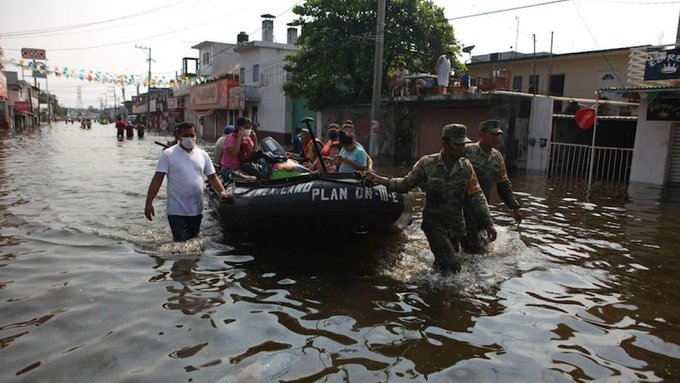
[(443, 71), (491, 172), (448, 180), (185, 165)]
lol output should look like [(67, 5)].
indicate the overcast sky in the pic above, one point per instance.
[(101, 35)]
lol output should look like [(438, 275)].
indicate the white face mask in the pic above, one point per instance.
[(187, 142), (247, 132)]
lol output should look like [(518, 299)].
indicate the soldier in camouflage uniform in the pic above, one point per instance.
[(448, 180), (490, 167)]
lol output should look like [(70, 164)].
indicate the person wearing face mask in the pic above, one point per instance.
[(332, 136), (490, 167), (237, 147), (448, 180), (185, 165)]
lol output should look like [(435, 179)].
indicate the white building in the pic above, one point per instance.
[(262, 76)]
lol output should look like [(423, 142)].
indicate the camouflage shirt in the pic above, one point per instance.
[(490, 168), (445, 192)]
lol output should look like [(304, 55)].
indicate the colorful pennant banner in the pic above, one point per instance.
[(105, 77)]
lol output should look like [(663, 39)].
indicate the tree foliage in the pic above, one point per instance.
[(334, 64)]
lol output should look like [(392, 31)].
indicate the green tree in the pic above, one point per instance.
[(334, 64)]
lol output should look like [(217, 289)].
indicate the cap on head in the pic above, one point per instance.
[(229, 129), (490, 126), (456, 133)]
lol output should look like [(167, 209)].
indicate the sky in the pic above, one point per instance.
[(101, 36)]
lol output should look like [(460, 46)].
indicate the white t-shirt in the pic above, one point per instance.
[(185, 179)]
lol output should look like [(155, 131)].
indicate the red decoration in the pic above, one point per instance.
[(585, 118)]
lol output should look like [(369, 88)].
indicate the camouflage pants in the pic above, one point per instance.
[(472, 242), (444, 247)]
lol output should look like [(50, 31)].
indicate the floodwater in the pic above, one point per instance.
[(585, 289)]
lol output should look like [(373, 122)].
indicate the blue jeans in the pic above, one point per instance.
[(184, 227)]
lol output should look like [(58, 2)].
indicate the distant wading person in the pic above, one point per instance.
[(185, 165)]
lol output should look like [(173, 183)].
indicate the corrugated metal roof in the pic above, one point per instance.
[(642, 89), (608, 118)]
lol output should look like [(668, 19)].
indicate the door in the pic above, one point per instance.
[(674, 166), (557, 89)]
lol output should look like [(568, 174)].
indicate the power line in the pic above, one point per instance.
[(508, 9), (76, 26)]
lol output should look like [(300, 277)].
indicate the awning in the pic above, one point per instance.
[(202, 112), (642, 89)]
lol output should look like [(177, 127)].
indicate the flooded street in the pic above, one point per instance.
[(586, 288)]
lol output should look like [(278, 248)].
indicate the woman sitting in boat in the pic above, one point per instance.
[(237, 147), (352, 157), (308, 151), (332, 136)]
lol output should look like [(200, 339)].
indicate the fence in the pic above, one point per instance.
[(573, 161)]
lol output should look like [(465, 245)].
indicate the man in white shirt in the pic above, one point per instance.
[(443, 71), (185, 165)]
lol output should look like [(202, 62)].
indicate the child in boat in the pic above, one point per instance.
[(330, 160)]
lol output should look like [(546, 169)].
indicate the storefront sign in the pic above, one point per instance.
[(666, 108), (33, 54), (662, 64), (40, 70), (175, 102), (22, 106), (214, 95)]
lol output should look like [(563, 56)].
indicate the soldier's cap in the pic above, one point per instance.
[(304, 132), (456, 132), (490, 126)]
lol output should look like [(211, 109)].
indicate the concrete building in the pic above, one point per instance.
[(262, 77), (654, 76), (577, 75), (212, 101)]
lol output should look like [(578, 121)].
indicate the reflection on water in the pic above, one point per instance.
[(585, 289)]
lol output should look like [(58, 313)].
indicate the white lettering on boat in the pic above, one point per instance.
[(384, 196), (363, 193), (333, 194), (328, 193), (294, 189)]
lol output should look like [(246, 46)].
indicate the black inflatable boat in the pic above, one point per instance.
[(310, 204)]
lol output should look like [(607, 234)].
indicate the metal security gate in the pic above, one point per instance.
[(674, 166), (609, 163)]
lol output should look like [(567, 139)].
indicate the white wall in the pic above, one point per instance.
[(650, 154), (540, 130), (274, 108)]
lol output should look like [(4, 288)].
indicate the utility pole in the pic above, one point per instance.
[(550, 65), (148, 89), (533, 66), (377, 79), (122, 88)]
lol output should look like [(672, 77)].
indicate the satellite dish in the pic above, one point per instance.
[(468, 48)]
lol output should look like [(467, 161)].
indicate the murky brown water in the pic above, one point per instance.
[(586, 288)]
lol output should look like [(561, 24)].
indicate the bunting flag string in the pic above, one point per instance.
[(106, 77)]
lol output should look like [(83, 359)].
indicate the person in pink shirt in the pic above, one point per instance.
[(237, 147)]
